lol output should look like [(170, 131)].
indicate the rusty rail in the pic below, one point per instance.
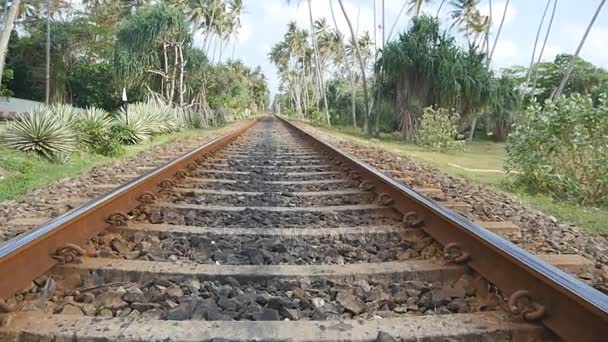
[(537, 290), (30, 255)]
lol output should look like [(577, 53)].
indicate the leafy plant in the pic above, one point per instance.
[(95, 116), (439, 130), (100, 139), (134, 125), (65, 113), (94, 126), (562, 149), (40, 132)]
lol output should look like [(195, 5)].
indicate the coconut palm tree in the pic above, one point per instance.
[(362, 66), (465, 15), (531, 66), (542, 50), (562, 85), (347, 65), (502, 21)]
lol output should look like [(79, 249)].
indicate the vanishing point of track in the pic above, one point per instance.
[(268, 233)]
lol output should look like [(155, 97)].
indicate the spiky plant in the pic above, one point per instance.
[(65, 113), (40, 132), (136, 124), (94, 116)]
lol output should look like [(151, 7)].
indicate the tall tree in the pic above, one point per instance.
[(542, 50), (562, 85), (318, 62), (348, 67), (531, 67), (502, 21), (5, 35), (362, 66)]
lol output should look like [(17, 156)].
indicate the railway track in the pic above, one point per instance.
[(269, 234)]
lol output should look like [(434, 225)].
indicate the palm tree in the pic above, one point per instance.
[(5, 35), (542, 50), (416, 6), (318, 62), (466, 16), (347, 65), (562, 85), (361, 65), (502, 21), (529, 73)]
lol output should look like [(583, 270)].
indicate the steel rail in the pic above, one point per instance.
[(568, 307), (28, 256)]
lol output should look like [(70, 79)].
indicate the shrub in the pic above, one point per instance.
[(65, 113), (100, 139), (439, 130), (134, 125), (94, 126), (40, 132), (562, 149)]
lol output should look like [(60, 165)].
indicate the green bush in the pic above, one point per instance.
[(94, 127), (562, 149), (439, 130), (42, 133)]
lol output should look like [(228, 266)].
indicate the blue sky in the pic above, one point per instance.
[(265, 21)]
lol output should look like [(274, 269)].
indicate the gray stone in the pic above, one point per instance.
[(350, 302), (144, 306), (134, 294), (111, 300), (385, 337), (267, 314), (181, 312)]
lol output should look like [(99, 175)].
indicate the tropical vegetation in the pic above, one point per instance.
[(146, 49)]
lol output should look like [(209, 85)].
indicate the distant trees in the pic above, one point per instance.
[(142, 45)]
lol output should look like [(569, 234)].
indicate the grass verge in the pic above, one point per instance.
[(482, 162), (23, 172)]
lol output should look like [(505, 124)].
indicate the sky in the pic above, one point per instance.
[(264, 23)]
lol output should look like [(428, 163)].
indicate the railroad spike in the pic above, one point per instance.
[(181, 174), (411, 219), (147, 198), (69, 253), (366, 186), (454, 253), (521, 303), (385, 199), (117, 219), (167, 184)]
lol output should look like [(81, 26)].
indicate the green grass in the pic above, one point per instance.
[(482, 161), (23, 172)]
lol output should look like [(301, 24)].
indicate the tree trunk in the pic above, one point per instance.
[(542, 49), (502, 21), (318, 63), (173, 75), (562, 85), (9, 23), (47, 90), (351, 73), (473, 126), (361, 65), (182, 65), (209, 29), (167, 88), (529, 73), (439, 9)]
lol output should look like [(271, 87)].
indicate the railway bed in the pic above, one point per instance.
[(267, 233)]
